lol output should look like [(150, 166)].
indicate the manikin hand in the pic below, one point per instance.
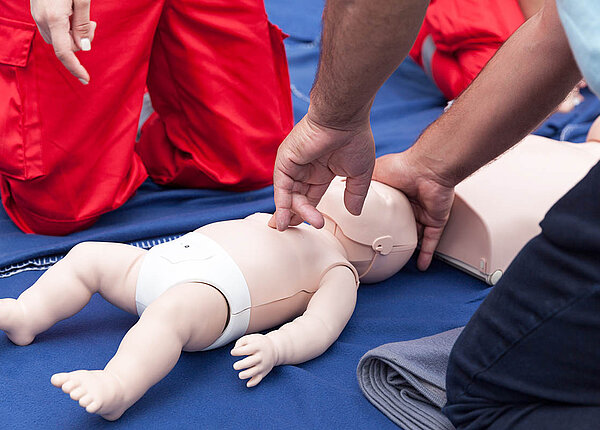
[(66, 25), (261, 357), (309, 158), (430, 195)]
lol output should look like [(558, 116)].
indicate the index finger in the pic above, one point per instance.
[(282, 194), (63, 48)]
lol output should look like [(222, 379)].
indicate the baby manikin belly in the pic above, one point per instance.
[(277, 312)]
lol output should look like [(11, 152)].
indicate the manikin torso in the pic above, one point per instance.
[(301, 255)]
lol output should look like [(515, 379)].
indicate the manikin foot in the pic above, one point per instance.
[(98, 391), (14, 323)]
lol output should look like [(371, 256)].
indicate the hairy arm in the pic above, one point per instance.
[(530, 7), (523, 83), (363, 43), (531, 74)]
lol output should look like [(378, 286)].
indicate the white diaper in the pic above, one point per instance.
[(195, 257)]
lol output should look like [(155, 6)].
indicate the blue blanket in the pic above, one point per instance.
[(203, 391)]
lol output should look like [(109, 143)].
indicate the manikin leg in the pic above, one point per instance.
[(91, 267), (186, 317)]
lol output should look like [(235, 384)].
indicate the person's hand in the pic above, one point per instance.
[(261, 357), (309, 158), (430, 195), (66, 25)]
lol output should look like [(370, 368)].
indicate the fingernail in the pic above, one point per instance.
[(83, 81), (86, 45)]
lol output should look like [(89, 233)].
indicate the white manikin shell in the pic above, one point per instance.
[(382, 238), (497, 210)]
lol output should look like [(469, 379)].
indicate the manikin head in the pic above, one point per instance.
[(381, 239)]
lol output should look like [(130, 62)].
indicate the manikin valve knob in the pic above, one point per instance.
[(383, 245)]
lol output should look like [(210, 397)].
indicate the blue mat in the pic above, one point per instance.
[(203, 390)]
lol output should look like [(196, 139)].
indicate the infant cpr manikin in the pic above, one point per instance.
[(209, 287), (497, 210)]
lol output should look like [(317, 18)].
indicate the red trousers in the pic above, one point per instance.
[(218, 80), (459, 37)]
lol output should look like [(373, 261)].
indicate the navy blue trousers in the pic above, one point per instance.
[(529, 358)]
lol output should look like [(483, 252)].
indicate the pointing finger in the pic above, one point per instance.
[(61, 41)]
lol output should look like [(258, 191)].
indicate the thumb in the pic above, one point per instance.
[(82, 28), (356, 192)]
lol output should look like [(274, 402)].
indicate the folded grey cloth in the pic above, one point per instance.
[(407, 380)]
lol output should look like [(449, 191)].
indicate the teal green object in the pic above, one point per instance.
[(580, 19)]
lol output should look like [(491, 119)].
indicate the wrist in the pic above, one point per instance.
[(338, 115), (272, 338), (431, 166)]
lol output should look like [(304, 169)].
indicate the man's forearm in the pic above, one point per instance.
[(528, 77), (530, 7), (363, 42)]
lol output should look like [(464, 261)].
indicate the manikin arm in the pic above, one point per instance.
[(305, 338)]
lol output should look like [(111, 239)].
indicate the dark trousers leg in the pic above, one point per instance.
[(529, 358)]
